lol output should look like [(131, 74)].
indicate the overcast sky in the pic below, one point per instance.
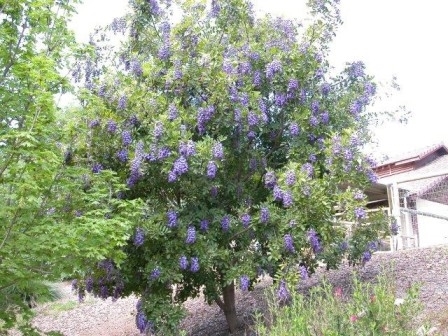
[(399, 38)]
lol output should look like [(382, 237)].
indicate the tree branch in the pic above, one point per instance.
[(219, 302)]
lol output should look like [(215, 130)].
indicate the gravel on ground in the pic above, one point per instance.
[(428, 266)]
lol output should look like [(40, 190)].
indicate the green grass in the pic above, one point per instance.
[(55, 308)]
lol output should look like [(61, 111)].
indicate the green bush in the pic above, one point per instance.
[(371, 309)]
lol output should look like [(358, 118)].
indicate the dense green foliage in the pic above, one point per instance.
[(43, 191), (241, 145)]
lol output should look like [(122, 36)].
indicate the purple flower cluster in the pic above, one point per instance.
[(273, 68), (314, 121), (373, 245), (172, 112), (325, 89), (111, 126), (257, 80), (270, 180), (244, 283), (165, 28), (244, 99), (303, 272), (141, 321), (359, 195), (187, 149), (203, 116), (215, 8), (314, 241), (177, 70), (288, 243), (283, 294), (126, 138), (139, 237), (280, 99), (262, 106), (294, 129), (94, 123), (225, 223), (211, 169), (308, 169), (325, 117), (191, 235), (369, 89), (356, 69), (89, 284), (366, 256), (315, 107), (171, 216), (136, 67), (123, 155), (360, 213), (158, 130), (135, 173), (348, 155), (180, 167), (155, 273), (97, 168), (218, 151), (252, 118), (394, 227), (245, 219), (118, 25), (183, 263), (287, 199), (372, 176), (194, 264), (214, 191), (154, 7), (277, 193), (204, 224), (264, 215), (122, 102), (290, 178), (293, 85), (356, 108), (165, 50), (163, 153)]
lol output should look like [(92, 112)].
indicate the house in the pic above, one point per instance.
[(414, 188)]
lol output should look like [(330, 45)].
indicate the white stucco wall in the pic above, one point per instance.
[(432, 231)]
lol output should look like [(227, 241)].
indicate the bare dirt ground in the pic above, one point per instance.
[(106, 318)]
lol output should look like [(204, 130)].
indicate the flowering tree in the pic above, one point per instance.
[(241, 145)]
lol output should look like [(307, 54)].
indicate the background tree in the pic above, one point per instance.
[(44, 192), (239, 142)]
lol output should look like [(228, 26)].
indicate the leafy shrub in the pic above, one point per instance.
[(371, 309)]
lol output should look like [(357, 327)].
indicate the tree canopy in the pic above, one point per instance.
[(43, 191), (240, 143)]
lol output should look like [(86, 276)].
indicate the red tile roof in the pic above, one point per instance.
[(414, 155)]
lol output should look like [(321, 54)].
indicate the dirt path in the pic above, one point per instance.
[(106, 318)]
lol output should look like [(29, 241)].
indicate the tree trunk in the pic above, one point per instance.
[(229, 307)]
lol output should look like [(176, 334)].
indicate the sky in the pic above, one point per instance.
[(399, 38)]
